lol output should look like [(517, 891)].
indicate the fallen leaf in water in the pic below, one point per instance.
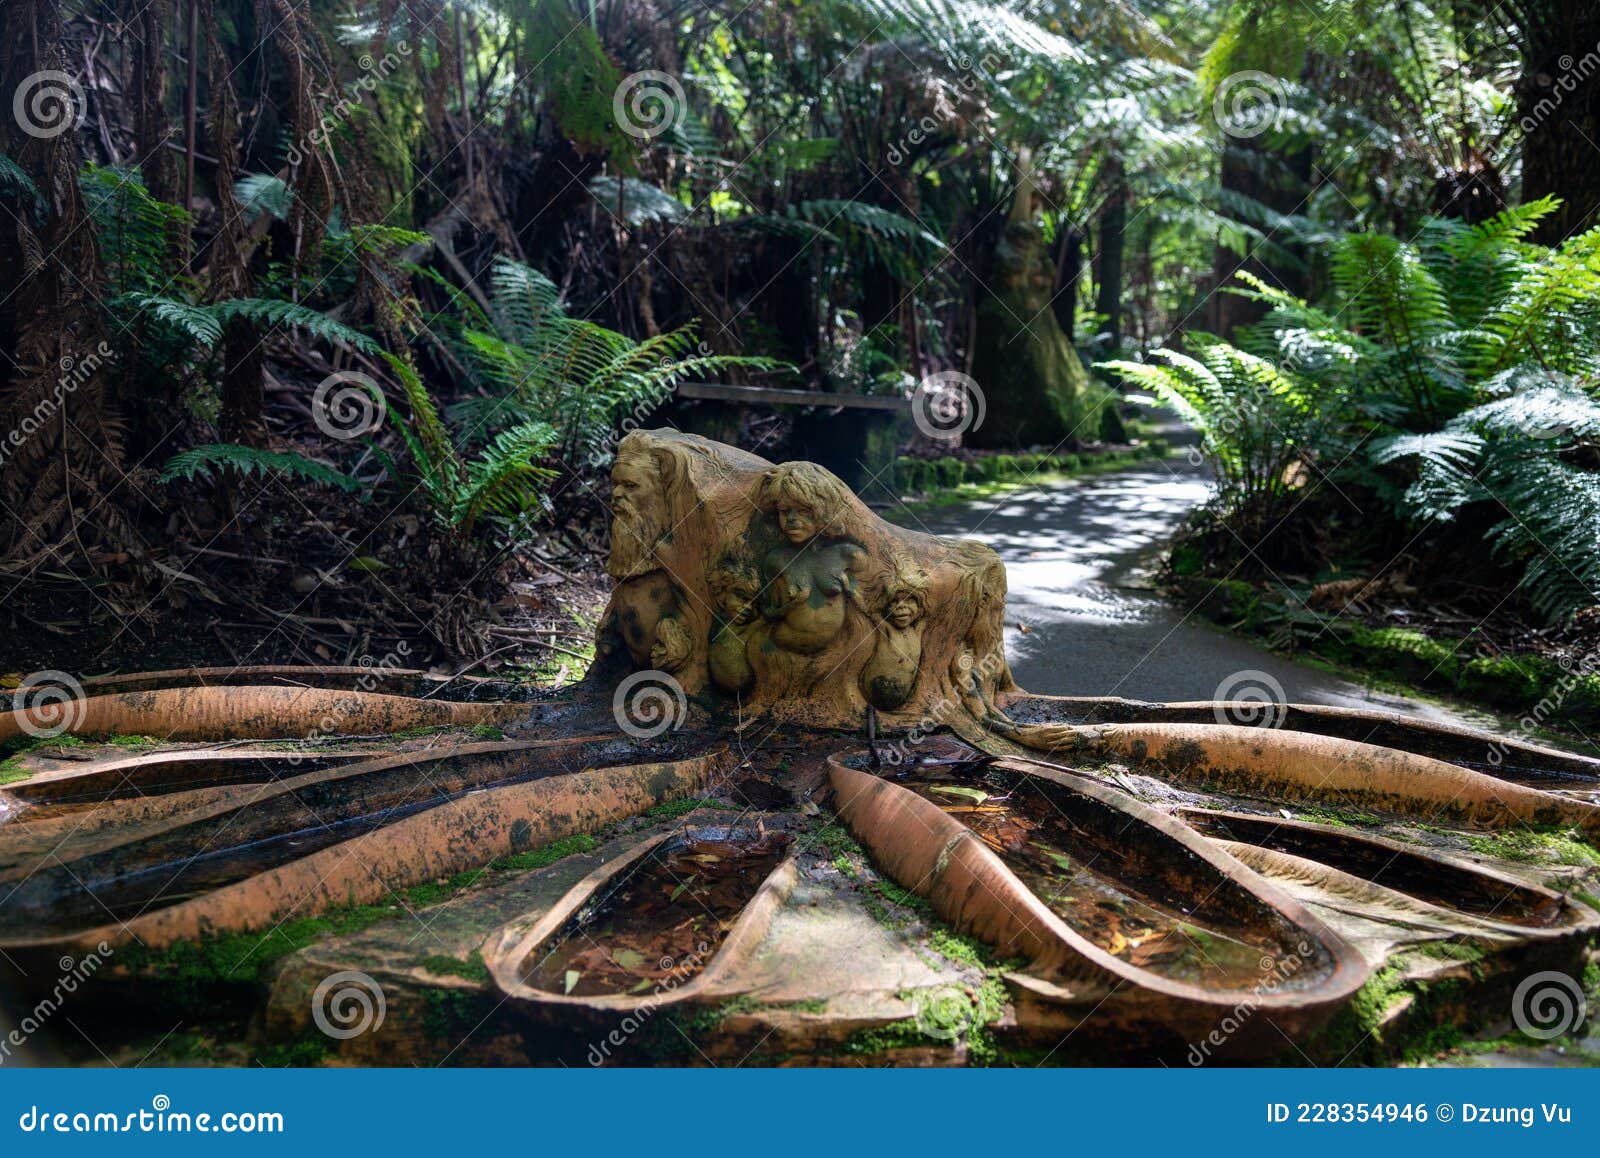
[(958, 790), (572, 979), (629, 959)]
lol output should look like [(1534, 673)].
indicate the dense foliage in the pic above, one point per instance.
[(1447, 377), (516, 226)]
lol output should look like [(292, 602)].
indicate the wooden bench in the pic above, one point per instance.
[(860, 448), (767, 396)]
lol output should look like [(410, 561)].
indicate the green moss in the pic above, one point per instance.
[(120, 741), (672, 809), (1450, 951), (307, 1051), (1337, 817), (954, 480), (472, 969), (486, 732), (1432, 1024), (449, 1014), (192, 967), (1537, 846), (1224, 601), (11, 767), (905, 898), (958, 948), (1409, 654), (1507, 681), (882, 1039), (546, 855)]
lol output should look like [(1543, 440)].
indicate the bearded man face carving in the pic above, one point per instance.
[(639, 516)]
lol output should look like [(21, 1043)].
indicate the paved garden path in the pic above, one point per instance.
[(1091, 626)]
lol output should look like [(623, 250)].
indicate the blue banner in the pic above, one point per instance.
[(784, 1112)]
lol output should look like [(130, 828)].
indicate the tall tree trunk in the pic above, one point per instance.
[(1558, 107), (1243, 162), (1032, 380), (1113, 245), (1069, 268)]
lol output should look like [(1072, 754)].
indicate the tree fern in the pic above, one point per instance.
[(204, 461), (506, 479), (541, 365)]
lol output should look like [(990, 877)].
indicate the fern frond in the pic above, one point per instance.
[(204, 461), (197, 324), (270, 313)]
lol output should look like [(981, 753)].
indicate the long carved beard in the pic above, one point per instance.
[(633, 546)]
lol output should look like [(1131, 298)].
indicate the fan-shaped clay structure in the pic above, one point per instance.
[(890, 850)]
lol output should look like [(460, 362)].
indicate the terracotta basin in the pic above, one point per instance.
[(1303, 972), (519, 956)]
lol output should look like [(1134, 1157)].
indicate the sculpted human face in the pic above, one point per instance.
[(798, 522), (903, 611), (638, 515)]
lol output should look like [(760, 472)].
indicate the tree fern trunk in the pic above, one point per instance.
[(1558, 107), (62, 486), (1113, 245), (1069, 268)]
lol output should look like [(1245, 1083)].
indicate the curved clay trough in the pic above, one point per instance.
[(250, 713), (1308, 768), (1434, 878), (1305, 971), (62, 908), (529, 966), (295, 810), (1502, 757)]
